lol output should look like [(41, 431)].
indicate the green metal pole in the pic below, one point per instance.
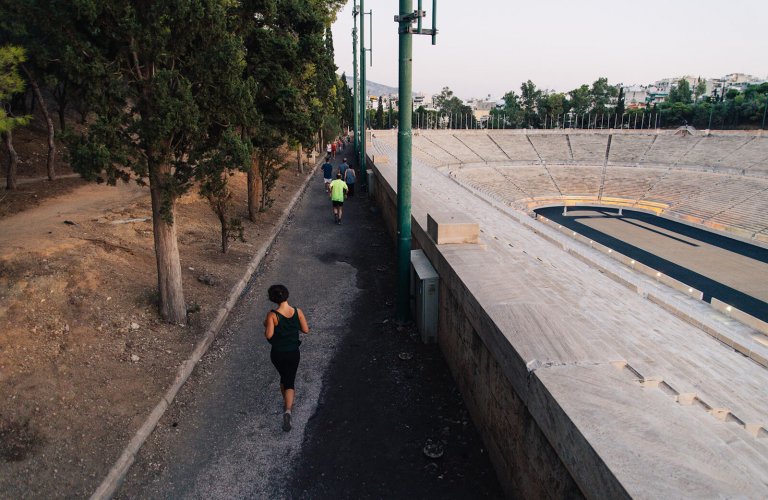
[(355, 84), (404, 141), (434, 22), (363, 97)]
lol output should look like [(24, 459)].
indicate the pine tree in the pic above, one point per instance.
[(168, 90), (37, 26), (289, 58), (10, 83), (380, 115), (620, 108), (348, 103)]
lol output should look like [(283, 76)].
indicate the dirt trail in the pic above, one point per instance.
[(43, 227)]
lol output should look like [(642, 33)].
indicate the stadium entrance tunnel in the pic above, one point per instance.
[(720, 267)]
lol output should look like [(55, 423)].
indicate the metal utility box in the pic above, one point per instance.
[(424, 290)]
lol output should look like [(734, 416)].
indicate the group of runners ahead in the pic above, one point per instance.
[(339, 184), (336, 146)]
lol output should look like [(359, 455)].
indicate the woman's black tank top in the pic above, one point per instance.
[(286, 337)]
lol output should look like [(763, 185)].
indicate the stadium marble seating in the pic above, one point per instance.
[(717, 180), (516, 147), (601, 384), (552, 148)]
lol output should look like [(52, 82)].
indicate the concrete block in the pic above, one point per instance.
[(452, 227), (741, 316), (759, 354)]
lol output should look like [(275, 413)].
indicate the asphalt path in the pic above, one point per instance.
[(369, 395), (727, 269)]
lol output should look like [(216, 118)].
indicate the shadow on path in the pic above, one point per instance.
[(385, 397)]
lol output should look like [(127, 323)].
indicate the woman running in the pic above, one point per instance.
[(281, 328)]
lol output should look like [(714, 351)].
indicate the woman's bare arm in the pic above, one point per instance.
[(269, 325), (303, 326)]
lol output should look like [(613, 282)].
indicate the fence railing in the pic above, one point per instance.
[(639, 120)]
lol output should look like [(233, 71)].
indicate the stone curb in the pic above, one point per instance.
[(119, 470)]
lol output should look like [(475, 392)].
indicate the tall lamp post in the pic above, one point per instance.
[(363, 97), (405, 21), (355, 84)]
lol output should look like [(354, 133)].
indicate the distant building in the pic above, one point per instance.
[(635, 97), (481, 108), (735, 78), (643, 96), (657, 94)]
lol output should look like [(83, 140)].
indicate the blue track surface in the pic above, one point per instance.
[(709, 286)]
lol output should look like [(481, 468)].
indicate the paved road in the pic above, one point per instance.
[(369, 395), (732, 271)]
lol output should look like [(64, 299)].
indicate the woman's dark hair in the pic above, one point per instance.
[(278, 294)]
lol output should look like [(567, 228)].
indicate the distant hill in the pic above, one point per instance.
[(374, 88)]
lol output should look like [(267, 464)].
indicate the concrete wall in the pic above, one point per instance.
[(526, 464)]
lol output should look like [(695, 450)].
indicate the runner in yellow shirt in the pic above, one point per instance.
[(338, 195)]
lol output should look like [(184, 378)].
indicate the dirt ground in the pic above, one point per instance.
[(84, 356), (33, 186)]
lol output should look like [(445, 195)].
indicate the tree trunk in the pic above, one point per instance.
[(48, 122), (254, 190), (10, 178), (60, 96), (169, 284), (61, 119), (298, 159), (263, 197)]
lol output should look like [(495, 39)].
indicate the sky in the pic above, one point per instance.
[(492, 46)]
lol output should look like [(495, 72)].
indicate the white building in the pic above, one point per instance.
[(635, 96)]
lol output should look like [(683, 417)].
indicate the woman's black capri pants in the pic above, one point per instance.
[(286, 363)]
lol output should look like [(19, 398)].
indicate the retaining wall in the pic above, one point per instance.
[(526, 463)]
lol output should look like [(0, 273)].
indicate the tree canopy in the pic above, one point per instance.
[(680, 93), (10, 83), (603, 105), (179, 93), (448, 104)]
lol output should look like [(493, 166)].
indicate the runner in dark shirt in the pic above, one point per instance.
[(281, 328), (327, 173)]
